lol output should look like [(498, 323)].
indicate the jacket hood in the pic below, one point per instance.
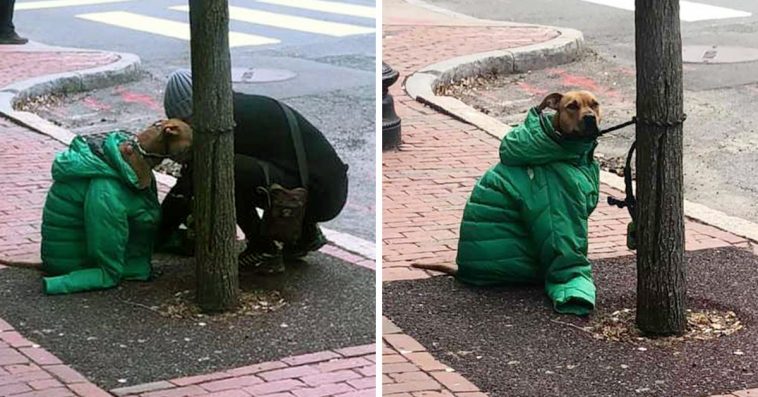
[(536, 143), (79, 161)]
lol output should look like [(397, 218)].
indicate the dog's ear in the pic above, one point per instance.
[(551, 101), (170, 127)]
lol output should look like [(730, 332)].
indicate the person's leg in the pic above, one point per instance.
[(323, 205), (262, 254), (7, 30), (176, 207), (6, 17)]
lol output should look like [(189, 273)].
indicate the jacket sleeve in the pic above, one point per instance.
[(560, 234), (107, 228)]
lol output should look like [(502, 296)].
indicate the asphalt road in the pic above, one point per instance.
[(720, 138), (325, 56)]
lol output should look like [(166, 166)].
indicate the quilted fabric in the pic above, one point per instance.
[(526, 219)]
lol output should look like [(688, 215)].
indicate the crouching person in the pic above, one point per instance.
[(266, 163), (102, 211)]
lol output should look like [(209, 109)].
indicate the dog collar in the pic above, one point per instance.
[(144, 153)]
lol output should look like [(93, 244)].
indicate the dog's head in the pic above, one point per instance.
[(175, 136), (179, 135), (577, 113)]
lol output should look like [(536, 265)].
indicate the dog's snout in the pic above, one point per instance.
[(590, 124)]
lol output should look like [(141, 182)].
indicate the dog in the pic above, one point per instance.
[(164, 139), (514, 227), (71, 198)]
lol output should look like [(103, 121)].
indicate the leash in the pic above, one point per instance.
[(144, 153), (629, 201)]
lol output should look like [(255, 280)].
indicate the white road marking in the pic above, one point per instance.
[(36, 5), (327, 6), (689, 11), (168, 28), (290, 22)]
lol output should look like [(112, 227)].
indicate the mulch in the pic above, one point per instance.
[(509, 342), (119, 337)]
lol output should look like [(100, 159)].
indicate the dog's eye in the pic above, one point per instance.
[(594, 105), (573, 106)]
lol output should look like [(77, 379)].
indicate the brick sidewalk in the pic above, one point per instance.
[(349, 372), (27, 370), (20, 65), (427, 182)]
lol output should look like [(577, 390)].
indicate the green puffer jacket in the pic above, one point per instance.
[(526, 219), (97, 226)]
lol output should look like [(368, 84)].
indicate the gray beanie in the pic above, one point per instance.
[(177, 100)]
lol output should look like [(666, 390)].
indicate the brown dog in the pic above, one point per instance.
[(161, 140), (577, 115), (577, 112)]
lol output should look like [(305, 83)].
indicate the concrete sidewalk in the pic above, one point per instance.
[(29, 370), (427, 181)]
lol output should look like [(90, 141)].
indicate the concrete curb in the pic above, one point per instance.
[(421, 85), (124, 70), (565, 48)]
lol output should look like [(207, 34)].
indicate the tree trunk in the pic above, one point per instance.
[(661, 289), (213, 157)]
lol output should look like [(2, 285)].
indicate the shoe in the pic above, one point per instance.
[(312, 240), (13, 38), (261, 262)]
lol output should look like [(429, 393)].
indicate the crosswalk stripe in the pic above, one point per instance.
[(36, 5), (689, 11), (290, 22), (168, 28), (327, 6)]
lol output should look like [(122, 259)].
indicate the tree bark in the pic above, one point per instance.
[(213, 157), (661, 288)]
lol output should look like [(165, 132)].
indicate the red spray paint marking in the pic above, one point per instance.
[(586, 83), (530, 89), (582, 82), (627, 71), (144, 99), (93, 103)]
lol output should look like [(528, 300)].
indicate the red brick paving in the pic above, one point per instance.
[(420, 46), (426, 184), (21, 65), (408, 370), (25, 159), (315, 374), (32, 371)]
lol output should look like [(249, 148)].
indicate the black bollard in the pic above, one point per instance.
[(390, 121)]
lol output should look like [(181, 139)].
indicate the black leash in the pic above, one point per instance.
[(618, 126), (630, 202)]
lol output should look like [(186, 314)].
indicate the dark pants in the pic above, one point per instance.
[(6, 17), (324, 202)]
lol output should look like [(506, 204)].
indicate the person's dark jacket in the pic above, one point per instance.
[(261, 131)]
